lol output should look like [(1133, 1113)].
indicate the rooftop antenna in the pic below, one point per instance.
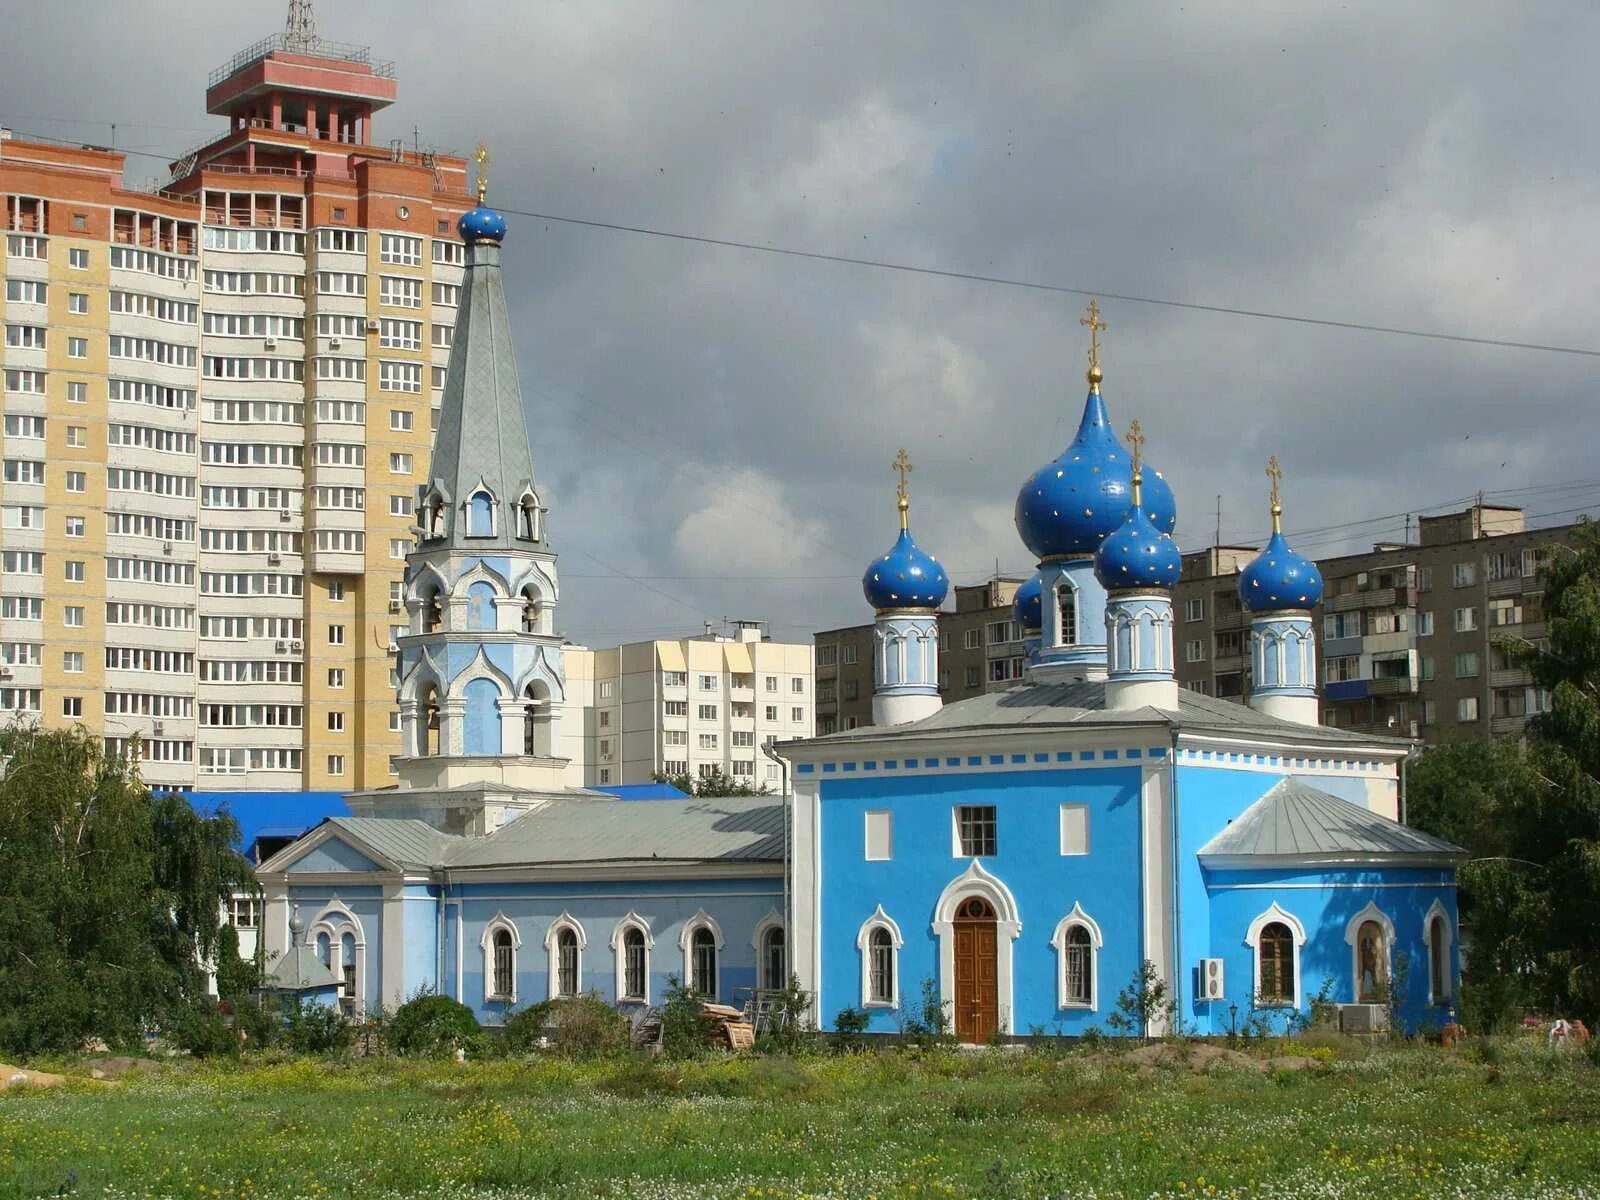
[(300, 30), (1218, 540)]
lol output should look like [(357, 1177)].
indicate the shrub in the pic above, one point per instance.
[(578, 1027), (257, 1023), (202, 1030), (434, 1027), (316, 1029), (524, 1029), (930, 1025), (1140, 1002), (683, 1025), (791, 1019), (849, 1024)]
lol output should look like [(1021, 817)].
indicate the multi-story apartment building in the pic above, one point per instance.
[(216, 412), (1408, 634), (689, 706), (980, 649)]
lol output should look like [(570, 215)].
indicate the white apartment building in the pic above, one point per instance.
[(690, 706)]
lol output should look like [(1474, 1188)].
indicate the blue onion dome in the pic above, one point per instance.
[(1028, 604), (906, 577), (1073, 503), (1279, 579), (481, 224), (1138, 555)]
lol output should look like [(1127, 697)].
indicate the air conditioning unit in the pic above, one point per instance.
[(281, 647), (333, 343), (295, 647), (1361, 580), (372, 325), (283, 514), (1211, 986), (274, 559), (1363, 1018), (394, 606), (166, 547), (5, 672), (272, 343)]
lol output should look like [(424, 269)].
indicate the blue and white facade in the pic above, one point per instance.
[(487, 874), (1022, 853)]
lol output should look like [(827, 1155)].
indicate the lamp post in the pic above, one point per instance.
[(1233, 1022)]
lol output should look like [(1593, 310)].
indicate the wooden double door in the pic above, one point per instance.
[(977, 1004)]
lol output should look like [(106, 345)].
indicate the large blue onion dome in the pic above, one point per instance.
[(481, 224), (1028, 604), (1278, 579), (1073, 503), (906, 577), (1137, 554)]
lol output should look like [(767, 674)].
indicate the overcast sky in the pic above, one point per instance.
[(718, 424)]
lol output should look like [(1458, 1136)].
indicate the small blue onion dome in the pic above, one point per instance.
[(482, 224), (1138, 555), (1073, 503), (906, 577), (1278, 579), (1028, 604)]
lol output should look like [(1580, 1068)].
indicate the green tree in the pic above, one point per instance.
[(112, 898), (714, 784)]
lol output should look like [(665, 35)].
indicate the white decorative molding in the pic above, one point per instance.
[(700, 920), (631, 921), (1077, 918), (486, 943), (976, 881), (565, 921), (1252, 938), (879, 920), (1438, 910), (1351, 931)]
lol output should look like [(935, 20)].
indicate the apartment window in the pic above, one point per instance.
[(74, 570), (75, 527), (78, 257), (1074, 829), (72, 662), (77, 302), (76, 481), (1466, 619), (607, 688), (1424, 624), (797, 685), (850, 656), (399, 292), (605, 718), (827, 656), (707, 683), (1467, 708), (975, 830), (77, 392), (771, 683), (72, 706), (335, 635), (335, 764), (1341, 669), (708, 741), (1504, 612), (676, 708), (1425, 666), (605, 747), (969, 639), (706, 712), (1194, 650), (336, 590), (771, 712), (605, 772), (77, 347), (797, 715), (400, 464), (336, 677), (673, 679), (399, 249), (1194, 609), (399, 547), (72, 615), (879, 836), (1341, 625), (399, 420), (1464, 574), (970, 677), (336, 722), (1467, 664)]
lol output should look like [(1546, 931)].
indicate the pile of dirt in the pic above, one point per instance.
[(16, 1077), (1200, 1057)]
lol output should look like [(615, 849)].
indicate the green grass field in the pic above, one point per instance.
[(1404, 1123)]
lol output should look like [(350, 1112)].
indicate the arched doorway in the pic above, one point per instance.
[(977, 1014)]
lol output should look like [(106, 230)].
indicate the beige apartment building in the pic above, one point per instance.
[(690, 706), (1406, 633), (218, 401), (980, 649)]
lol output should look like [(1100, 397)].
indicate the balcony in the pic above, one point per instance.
[(1506, 677), (1514, 586), (1395, 685), (1504, 725), (1230, 620), (1390, 597)]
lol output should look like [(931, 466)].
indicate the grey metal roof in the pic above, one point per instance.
[(406, 842), (300, 970), (1295, 819), (1038, 705), (483, 428), (733, 828)]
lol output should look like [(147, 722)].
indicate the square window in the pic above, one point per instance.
[(400, 464), (336, 722), (74, 570), (399, 506), (1074, 829), (75, 527), (77, 347), (335, 764), (880, 836), (1467, 708), (77, 302), (335, 635), (77, 392), (78, 258), (77, 435), (72, 706), (399, 420), (76, 482), (975, 830), (1194, 651), (80, 221), (1464, 574), (72, 616), (771, 713), (336, 589), (72, 662), (1194, 609)]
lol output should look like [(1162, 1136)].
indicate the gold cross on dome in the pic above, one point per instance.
[(1136, 441), (1275, 473), (902, 464), (481, 155), (1095, 324)]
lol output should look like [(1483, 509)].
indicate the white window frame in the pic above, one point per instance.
[(1062, 830), (700, 920), (1352, 928), (486, 942), (552, 951), (620, 953), (1077, 919), (1437, 909), (1252, 939), (879, 920), (758, 936), (866, 835)]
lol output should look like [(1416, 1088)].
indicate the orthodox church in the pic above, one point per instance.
[(1024, 854), (488, 874)]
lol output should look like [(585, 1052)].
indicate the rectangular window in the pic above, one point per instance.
[(607, 688), (706, 712), (399, 421), (336, 722), (335, 635), (336, 677), (75, 527), (1194, 609), (72, 662), (797, 715), (1194, 650), (1074, 829), (399, 292), (797, 685), (335, 764), (400, 464), (975, 830), (76, 481), (1466, 619), (770, 712), (969, 639), (1341, 669), (1424, 624), (1425, 666), (1467, 708), (77, 303), (676, 708), (77, 392), (1467, 664), (880, 836), (72, 706), (605, 718), (708, 741), (77, 347), (72, 615), (74, 570), (399, 249), (1464, 574), (399, 376)]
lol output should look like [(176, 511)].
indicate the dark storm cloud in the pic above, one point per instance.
[(712, 412)]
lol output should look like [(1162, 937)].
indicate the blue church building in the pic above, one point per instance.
[(486, 874), (1024, 853)]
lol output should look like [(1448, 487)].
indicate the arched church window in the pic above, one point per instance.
[(431, 516), (880, 966), (1078, 948), (1372, 963), (428, 724), (530, 610), (703, 963), (774, 959), (1067, 606), (325, 950), (633, 963), (480, 514), (1275, 952), (536, 722), (1438, 960), (481, 734), (567, 963), (432, 612), (480, 606), (347, 972), (505, 965), (528, 517)]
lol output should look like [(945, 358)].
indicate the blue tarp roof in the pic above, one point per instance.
[(643, 791), (271, 814)]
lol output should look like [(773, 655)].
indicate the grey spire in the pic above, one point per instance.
[(481, 446)]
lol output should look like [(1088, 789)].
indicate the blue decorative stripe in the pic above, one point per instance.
[(805, 768), (849, 767)]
